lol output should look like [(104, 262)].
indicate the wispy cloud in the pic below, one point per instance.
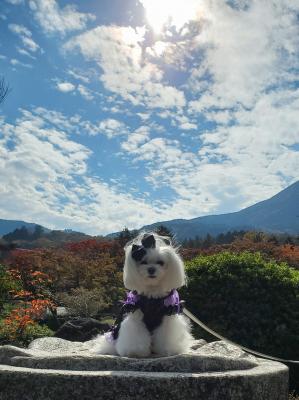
[(26, 53), (26, 37), (78, 76), (54, 19), (19, 30), (85, 92), (16, 63)]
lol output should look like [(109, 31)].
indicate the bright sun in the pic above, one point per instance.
[(170, 12)]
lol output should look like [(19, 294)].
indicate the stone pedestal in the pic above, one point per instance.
[(56, 369)]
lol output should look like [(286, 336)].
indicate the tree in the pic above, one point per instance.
[(125, 236), (208, 241), (24, 299), (4, 89), (289, 240), (37, 233), (273, 239)]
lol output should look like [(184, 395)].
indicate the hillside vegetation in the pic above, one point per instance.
[(247, 289)]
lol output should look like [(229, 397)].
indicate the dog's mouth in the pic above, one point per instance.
[(152, 276)]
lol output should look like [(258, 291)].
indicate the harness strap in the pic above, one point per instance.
[(153, 310)]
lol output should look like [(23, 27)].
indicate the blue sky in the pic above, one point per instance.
[(124, 113)]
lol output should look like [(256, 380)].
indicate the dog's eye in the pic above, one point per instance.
[(143, 262), (160, 262)]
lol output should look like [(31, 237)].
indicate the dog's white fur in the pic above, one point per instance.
[(173, 335)]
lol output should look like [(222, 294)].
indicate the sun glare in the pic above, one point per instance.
[(160, 13)]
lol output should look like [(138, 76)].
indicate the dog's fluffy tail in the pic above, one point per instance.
[(103, 346)]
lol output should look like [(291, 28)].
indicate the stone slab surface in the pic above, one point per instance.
[(53, 368)]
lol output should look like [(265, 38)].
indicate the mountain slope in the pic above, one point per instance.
[(7, 226), (278, 214)]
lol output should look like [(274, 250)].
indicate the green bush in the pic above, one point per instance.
[(10, 335), (246, 299), (7, 284)]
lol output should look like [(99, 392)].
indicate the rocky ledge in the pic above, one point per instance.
[(53, 368)]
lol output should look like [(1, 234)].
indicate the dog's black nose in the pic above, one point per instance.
[(151, 270)]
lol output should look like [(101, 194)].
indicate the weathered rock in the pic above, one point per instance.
[(81, 329), (53, 368)]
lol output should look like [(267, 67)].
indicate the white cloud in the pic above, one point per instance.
[(170, 13), (69, 87), (233, 166), (112, 127), (119, 53), (54, 19), (246, 52), (176, 53), (44, 155), (65, 87), (187, 126), (16, 62), (30, 44), (78, 76), (19, 30), (73, 124), (241, 62), (135, 139), (54, 187), (182, 121), (25, 53), (25, 36), (85, 92)]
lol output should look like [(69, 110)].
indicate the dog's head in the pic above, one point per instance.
[(152, 265)]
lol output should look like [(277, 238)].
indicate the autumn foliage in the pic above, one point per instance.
[(29, 300), (88, 271), (270, 246), (86, 276)]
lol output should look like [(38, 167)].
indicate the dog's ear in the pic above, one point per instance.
[(148, 241), (138, 252)]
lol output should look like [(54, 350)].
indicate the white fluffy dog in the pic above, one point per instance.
[(151, 320)]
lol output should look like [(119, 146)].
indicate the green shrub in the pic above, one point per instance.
[(10, 335), (246, 299), (7, 284)]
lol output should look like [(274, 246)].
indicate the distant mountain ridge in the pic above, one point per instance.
[(279, 214), (7, 226)]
